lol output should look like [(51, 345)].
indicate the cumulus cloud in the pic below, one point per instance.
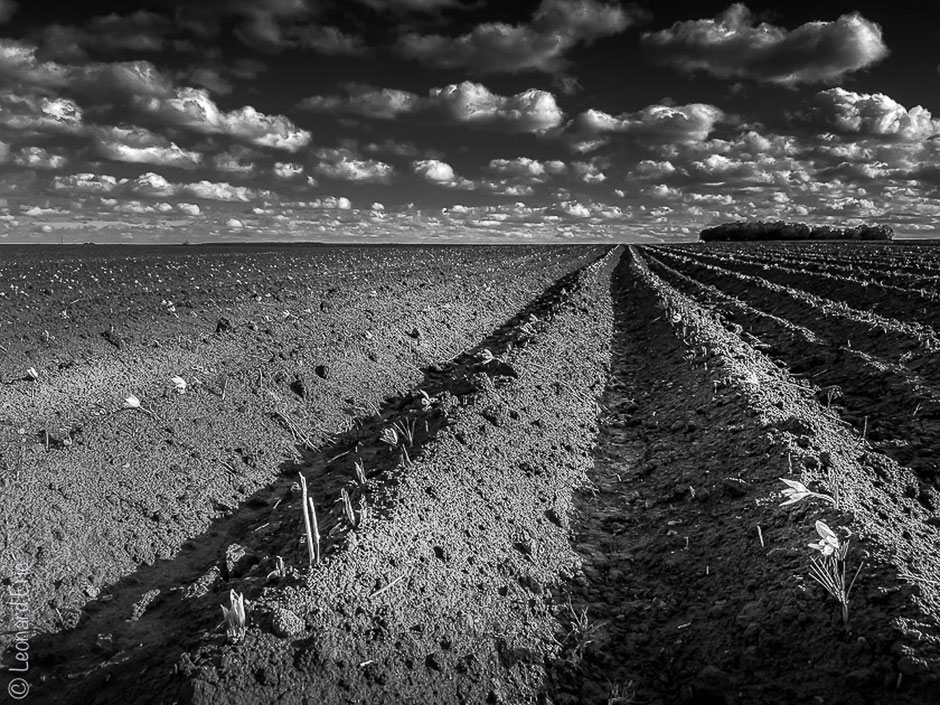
[(364, 100), (434, 170), (871, 115), (574, 209), (346, 165), (523, 167), (588, 172), (651, 169), (717, 167), (189, 208), (194, 109), (87, 182), (332, 203), (680, 123), (152, 184), (528, 111), (470, 103), (218, 191), (20, 65), (736, 46), (40, 113), (39, 158), (519, 176), (234, 161), (539, 45), (440, 173), (287, 170), (137, 145)]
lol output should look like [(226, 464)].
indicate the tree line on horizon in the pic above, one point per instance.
[(781, 230)]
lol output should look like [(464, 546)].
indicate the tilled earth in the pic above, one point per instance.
[(280, 347), (580, 502)]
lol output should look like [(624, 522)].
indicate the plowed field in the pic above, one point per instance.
[(563, 469)]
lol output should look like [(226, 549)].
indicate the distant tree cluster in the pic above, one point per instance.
[(780, 230)]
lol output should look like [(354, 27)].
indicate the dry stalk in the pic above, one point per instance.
[(348, 508), (310, 523)]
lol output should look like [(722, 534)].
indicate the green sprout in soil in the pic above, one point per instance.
[(829, 568), (235, 616), (348, 508), (580, 634), (798, 491), (621, 694), (310, 523), (133, 403), (363, 511), (426, 401), (390, 437), (486, 356), (406, 429), (280, 570)]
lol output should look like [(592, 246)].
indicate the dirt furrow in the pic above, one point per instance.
[(903, 258), (900, 341), (881, 270), (694, 581), (887, 405), (885, 299)]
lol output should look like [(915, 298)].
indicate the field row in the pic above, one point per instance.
[(879, 376), (93, 490)]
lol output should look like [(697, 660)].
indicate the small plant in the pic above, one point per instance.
[(235, 616), (828, 568), (280, 570), (363, 510), (426, 401), (406, 430), (360, 472), (348, 508), (132, 403), (389, 436), (32, 374), (798, 491), (581, 633), (486, 356), (179, 384), (621, 694)]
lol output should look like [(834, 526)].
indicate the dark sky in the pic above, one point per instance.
[(446, 119)]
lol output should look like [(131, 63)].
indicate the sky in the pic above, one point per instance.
[(462, 120)]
